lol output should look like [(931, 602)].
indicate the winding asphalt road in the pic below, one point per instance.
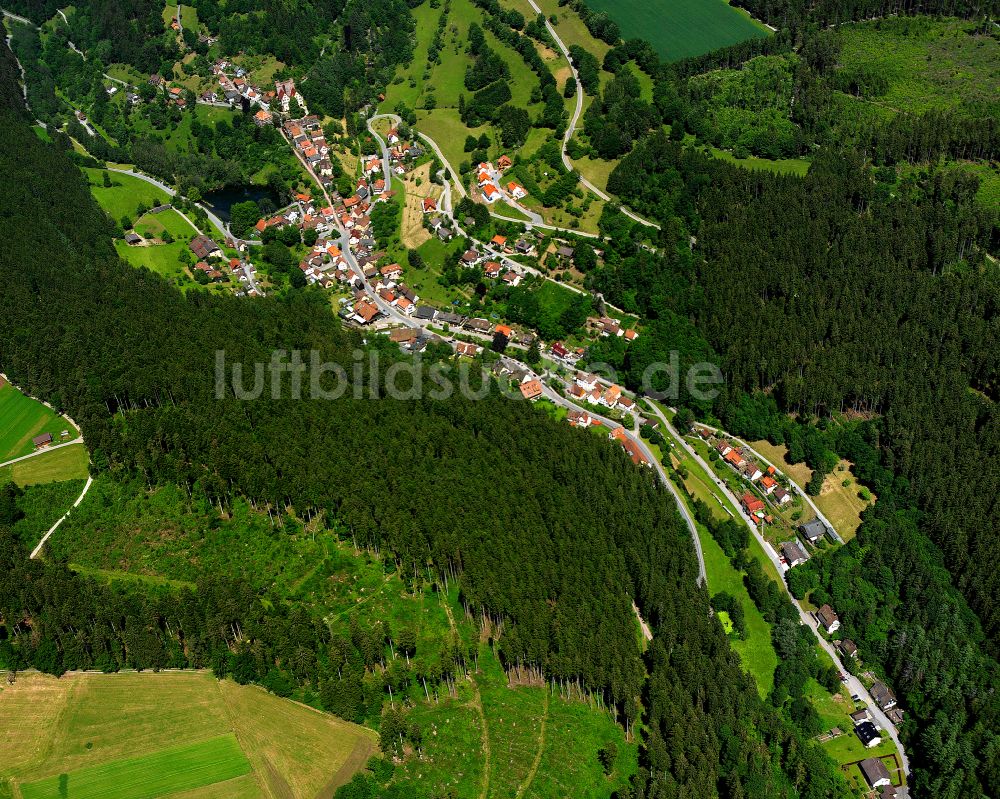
[(853, 683), (219, 225), (578, 110)]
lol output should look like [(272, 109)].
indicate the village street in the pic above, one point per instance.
[(856, 687)]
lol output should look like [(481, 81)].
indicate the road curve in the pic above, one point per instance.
[(853, 683), (578, 110)]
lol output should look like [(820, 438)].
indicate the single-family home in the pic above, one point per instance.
[(861, 715), (868, 734), (752, 504), (516, 190), (491, 193), (813, 530), (883, 695), (735, 459), (391, 271), (470, 258), (828, 619), (723, 448), (895, 715), (768, 483), (424, 312), (781, 496), (611, 396), (531, 389), (499, 241), (430, 205), (504, 163), (586, 381), (365, 312), (467, 349), (751, 471), (875, 772), (492, 269), (849, 648), (512, 278), (794, 554)]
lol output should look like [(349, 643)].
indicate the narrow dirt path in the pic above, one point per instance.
[(530, 776)]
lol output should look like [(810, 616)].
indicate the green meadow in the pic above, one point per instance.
[(22, 419), (181, 768)]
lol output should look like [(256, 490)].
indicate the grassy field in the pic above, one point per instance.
[(65, 463), (539, 745), (841, 504), (126, 193), (182, 768), (681, 28), (445, 81), (22, 419), (117, 736), (781, 166), (153, 226)]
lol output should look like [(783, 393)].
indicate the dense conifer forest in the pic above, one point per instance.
[(549, 531)]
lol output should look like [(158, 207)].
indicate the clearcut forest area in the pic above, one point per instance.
[(578, 576)]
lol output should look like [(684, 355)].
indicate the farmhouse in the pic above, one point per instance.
[(132, 238), (828, 618), (203, 247), (875, 772), (42, 441)]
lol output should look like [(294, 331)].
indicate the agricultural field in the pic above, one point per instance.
[(780, 166), (153, 226), (65, 463), (681, 28), (22, 418), (85, 736), (125, 194), (417, 185)]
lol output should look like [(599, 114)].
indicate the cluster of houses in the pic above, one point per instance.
[(211, 261), (306, 135), (588, 388), (236, 89), (608, 327), (793, 553), (490, 179), (400, 152)]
